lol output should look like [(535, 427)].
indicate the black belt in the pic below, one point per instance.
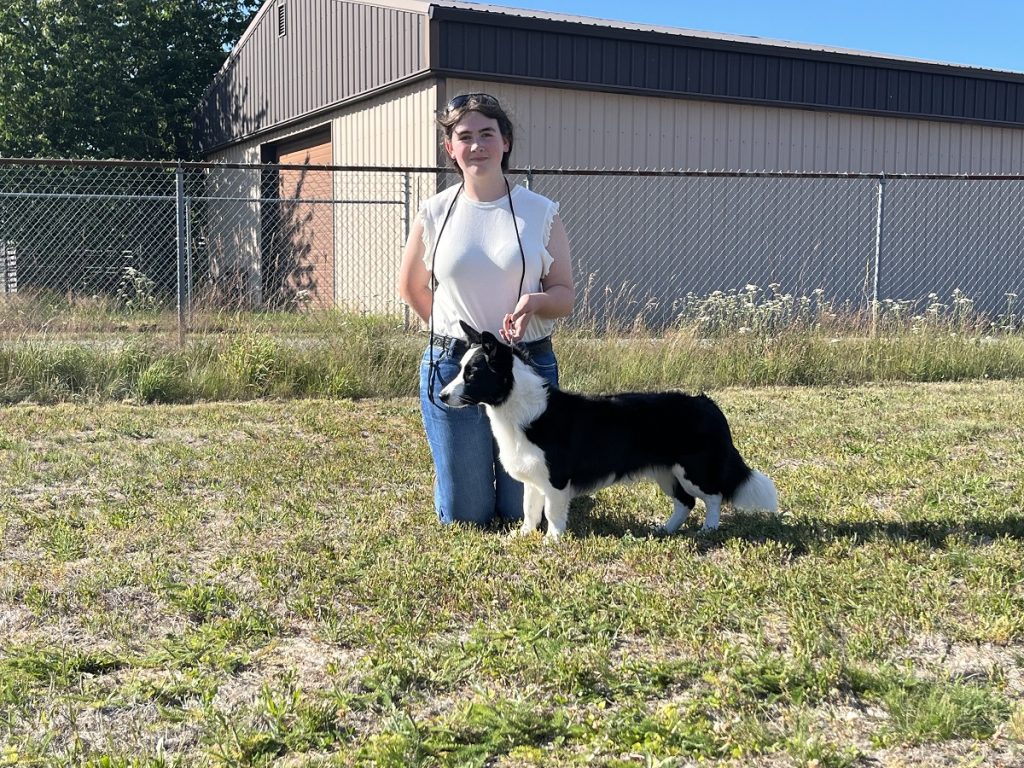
[(458, 347)]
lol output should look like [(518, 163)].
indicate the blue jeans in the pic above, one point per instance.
[(470, 485)]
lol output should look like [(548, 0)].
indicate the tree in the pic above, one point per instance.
[(110, 78)]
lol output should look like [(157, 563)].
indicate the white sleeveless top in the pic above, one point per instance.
[(478, 264)]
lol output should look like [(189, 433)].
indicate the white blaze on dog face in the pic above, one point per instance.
[(453, 391)]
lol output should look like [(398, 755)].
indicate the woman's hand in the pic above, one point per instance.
[(557, 290), (513, 327)]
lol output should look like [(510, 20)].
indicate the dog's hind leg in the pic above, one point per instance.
[(682, 502), (712, 502), (533, 508), (556, 509), (714, 508)]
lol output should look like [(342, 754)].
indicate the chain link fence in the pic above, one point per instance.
[(113, 247)]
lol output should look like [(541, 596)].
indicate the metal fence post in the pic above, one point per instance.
[(529, 178), (8, 266), (406, 227), (879, 239), (188, 252), (182, 247)]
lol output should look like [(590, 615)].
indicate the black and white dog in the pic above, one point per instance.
[(560, 444)]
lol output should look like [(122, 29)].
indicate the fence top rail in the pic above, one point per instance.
[(172, 165)]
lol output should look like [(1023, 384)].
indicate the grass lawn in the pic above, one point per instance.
[(264, 582)]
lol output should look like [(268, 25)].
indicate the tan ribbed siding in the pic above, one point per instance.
[(393, 129), (559, 128), (333, 51)]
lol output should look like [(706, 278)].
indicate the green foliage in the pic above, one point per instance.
[(162, 382), (109, 78), (32, 665), (286, 721), (924, 712), (349, 357), (254, 360), (476, 733), (336, 355), (928, 710)]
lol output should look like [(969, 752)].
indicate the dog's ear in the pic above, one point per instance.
[(489, 342), (472, 334)]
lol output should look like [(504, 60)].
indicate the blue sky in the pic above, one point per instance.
[(983, 33)]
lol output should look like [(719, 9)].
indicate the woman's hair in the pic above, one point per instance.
[(487, 106)]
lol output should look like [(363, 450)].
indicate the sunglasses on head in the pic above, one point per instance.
[(462, 100)]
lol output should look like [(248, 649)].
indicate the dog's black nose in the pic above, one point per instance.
[(444, 397)]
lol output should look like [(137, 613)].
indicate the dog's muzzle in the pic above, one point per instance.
[(452, 397)]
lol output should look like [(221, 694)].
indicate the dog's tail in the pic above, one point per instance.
[(756, 494)]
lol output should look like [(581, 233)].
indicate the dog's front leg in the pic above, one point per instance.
[(533, 507), (556, 508)]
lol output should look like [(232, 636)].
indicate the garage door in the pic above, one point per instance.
[(303, 268)]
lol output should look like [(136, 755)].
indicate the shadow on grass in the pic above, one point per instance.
[(800, 537), (803, 536)]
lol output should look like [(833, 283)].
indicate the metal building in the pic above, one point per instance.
[(592, 94), (359, 83)]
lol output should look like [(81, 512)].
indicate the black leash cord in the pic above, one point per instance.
[(522, 253), (435, 367)]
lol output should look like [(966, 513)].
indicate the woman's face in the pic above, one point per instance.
[(477, 145)]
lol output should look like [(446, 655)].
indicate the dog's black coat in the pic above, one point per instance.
[(586, 439)]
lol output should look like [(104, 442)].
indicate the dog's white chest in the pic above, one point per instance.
[(522, 459)]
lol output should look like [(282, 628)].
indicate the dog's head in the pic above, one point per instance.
[(485, 377)]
